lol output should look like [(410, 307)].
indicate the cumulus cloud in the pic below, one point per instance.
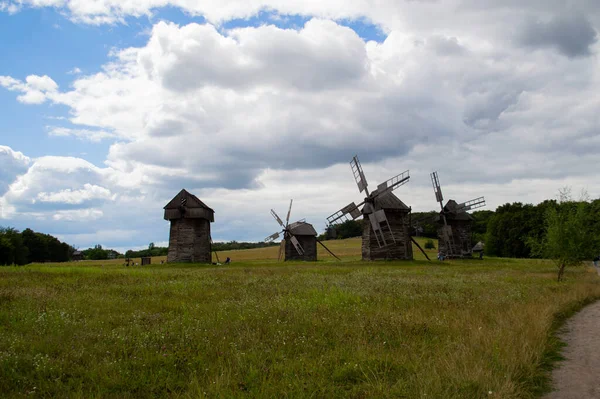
[(35, 89), (57, 183), (12, 164), (250, 117), (572, 34), (68, 196)]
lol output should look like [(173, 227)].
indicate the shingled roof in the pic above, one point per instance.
[(451, 214), (390, 201), (303, 229), (191, 201)]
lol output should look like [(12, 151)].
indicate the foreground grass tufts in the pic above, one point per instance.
[(391, 329)]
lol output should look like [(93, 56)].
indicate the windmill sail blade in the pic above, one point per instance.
[(469, 205), (359, 176), (350, 209), (379, 221), (277, 218), (383, 221), (327, 249), (272, 237), (297, 245), (287, 220), (376, 226), (393, 183), (281, 249), (435, 181)]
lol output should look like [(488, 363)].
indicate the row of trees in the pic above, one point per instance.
[(99, 253), (20, 248)]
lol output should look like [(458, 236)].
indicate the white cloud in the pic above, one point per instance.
[(68, 196), (12, 164), (251, 117), (80, 215), (56, 183), (94, 136), (36, 89)]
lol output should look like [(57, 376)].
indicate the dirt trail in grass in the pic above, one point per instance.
[(577, 376)]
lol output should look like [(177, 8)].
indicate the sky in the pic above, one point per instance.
[(109, 108)]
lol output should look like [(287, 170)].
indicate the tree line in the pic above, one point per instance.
[(20, 248)]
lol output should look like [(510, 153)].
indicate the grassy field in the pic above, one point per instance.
[(258, 328)]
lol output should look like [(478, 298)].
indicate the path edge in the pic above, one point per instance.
[(542, 380)]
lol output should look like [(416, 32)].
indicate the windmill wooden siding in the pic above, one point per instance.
[(308, 243), (189, 241), (189, 236), (307, 237), (461, 237), (398, 216), (461, 224)]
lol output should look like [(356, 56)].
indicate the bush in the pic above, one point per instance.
[(429, 244)]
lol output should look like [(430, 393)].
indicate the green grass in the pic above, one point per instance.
[(258, 328)]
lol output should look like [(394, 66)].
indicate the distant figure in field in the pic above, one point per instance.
[(440, 255), (481, 254), (228, 260)]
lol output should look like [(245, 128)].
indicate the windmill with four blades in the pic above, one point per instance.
[(386, 226), (299, 239), (455, 224)]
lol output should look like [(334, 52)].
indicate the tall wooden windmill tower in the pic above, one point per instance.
[(189, 237), (299, 239), (455, 224), (386, 226)]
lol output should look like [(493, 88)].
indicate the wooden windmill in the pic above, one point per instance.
[(189, 237), (386, 226), (299, 239), (455, 224)]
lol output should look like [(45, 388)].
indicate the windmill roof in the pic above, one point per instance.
[(390, 201), (479, 246), (192, 201), (451, 213), (303, 229)]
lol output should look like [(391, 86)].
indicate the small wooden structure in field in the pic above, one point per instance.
[(459, 224), (189, 237), (77, 256), (306, 235), (398, 219), (299, 239), (455, 224)]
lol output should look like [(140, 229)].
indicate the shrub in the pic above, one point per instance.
[(429, 244)]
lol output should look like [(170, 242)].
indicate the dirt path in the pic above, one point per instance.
[(578, 376)]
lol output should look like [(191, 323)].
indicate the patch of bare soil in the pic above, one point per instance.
[(578, 376)]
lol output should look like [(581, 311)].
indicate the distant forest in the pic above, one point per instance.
[(505, 232), (20, 248)]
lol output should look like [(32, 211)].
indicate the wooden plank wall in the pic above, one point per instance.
[(461, 236), (309, 244), (399, 221), (189, 241)]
